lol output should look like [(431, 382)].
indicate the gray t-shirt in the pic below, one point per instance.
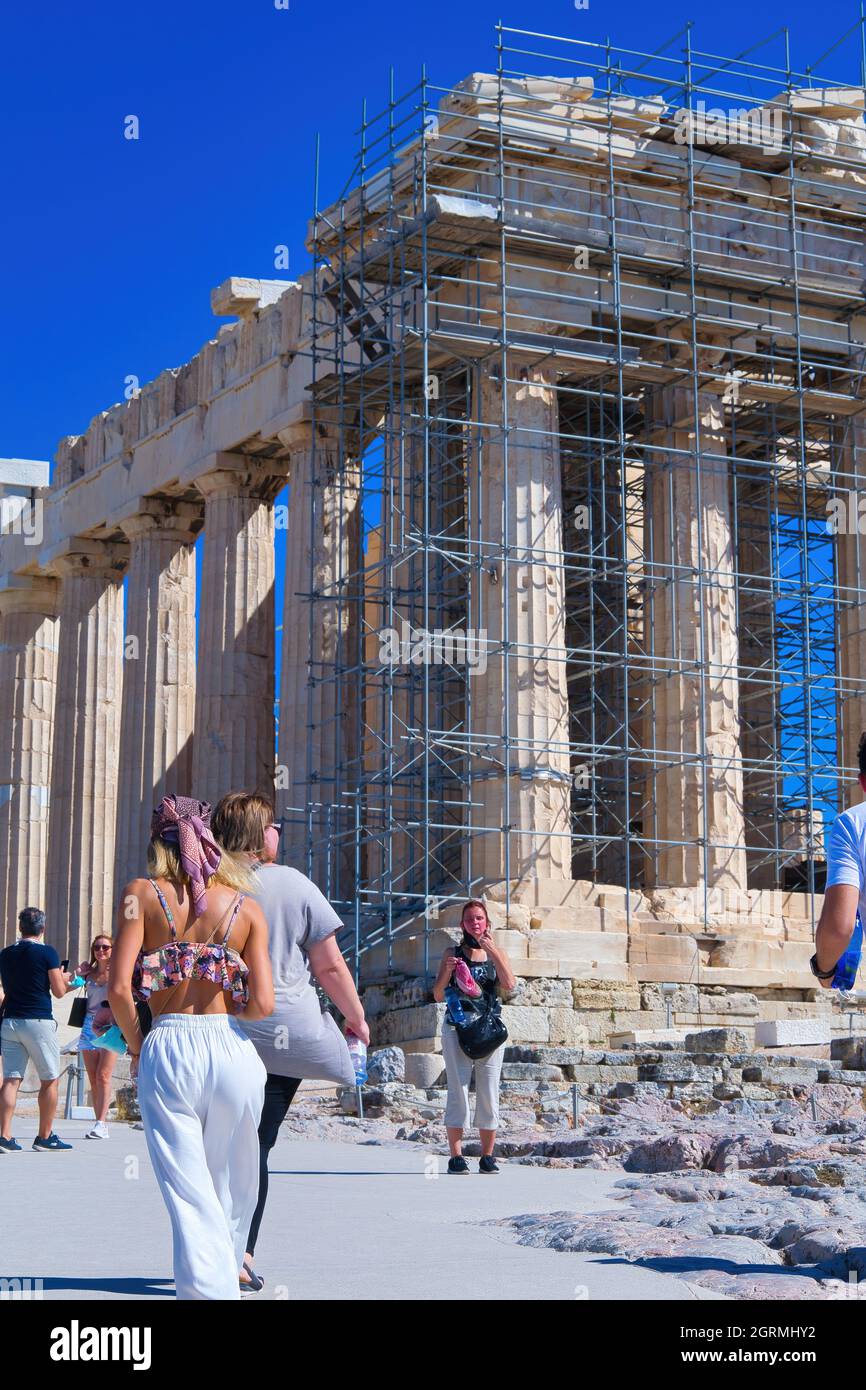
[(298, 1039)]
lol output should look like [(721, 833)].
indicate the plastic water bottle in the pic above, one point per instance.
[(456, 1012), (358, 1054), (846, 970)]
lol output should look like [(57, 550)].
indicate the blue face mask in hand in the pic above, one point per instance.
[(113, 1040), (846, 969)]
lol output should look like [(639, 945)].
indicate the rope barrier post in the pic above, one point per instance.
[(76, 1109)]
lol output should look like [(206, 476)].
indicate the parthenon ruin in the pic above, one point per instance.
[(562, 403)]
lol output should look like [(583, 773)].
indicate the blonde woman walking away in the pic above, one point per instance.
[(193, 945)]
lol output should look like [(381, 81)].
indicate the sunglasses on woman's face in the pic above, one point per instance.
[(101, 948)]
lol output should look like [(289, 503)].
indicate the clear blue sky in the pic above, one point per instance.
[(110, 247)]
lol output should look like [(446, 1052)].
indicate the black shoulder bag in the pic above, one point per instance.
[(480, 1036)]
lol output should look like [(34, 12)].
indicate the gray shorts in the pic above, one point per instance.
[(30, 1039)]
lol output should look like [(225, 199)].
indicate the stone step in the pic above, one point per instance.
[(646, 1036), (782, 1076), (849, 1052), (752, 953), (717, 1040), (547, 892), (591, 919), (574, 968), (588, 948), (677, 1069), (530, 1071), (788, 1032)]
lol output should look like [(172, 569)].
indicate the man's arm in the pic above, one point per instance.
[(58, 983), (836, 926), (332, 973)]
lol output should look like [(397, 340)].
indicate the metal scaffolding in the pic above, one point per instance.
[(627, 288)]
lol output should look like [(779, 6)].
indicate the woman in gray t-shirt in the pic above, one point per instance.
[(298, 1040)]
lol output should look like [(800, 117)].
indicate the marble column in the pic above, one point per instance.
[(374, 811), (234, 741), (28, 665), (696, 789), (760, 690), (519, 704), (158, 674), (83, 807), (850, 561), (395, 566), (411, 569), (318, 709), (294, 716)]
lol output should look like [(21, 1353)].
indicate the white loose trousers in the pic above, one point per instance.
[(201, 1087)]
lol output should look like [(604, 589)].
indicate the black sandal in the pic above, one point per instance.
[(255, 1284)]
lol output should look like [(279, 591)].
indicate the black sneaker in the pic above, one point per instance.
[(52, 1142), (488, 1164), (458, 1165), (9, 1145)]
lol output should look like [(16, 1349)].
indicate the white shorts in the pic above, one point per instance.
[(30, 1040)]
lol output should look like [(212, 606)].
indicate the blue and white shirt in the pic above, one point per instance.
[(846, 852)]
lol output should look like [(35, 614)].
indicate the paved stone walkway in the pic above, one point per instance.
[(344, 1221)]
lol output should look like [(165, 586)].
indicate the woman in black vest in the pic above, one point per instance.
[(477, 957)]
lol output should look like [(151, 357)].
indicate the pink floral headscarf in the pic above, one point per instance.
[(185, 822)]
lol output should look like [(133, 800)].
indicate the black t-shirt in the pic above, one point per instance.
[(24, 971), (484, 974)]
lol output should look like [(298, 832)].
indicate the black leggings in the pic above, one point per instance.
[(279, 1094)]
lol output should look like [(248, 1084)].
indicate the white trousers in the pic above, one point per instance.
[(458, 1068), (201, 1086)]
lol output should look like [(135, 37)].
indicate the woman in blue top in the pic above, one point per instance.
[(98, 1061)]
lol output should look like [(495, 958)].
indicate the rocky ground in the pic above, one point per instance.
[(752, 1189)]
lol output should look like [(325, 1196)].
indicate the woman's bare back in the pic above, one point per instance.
[(193, 996)]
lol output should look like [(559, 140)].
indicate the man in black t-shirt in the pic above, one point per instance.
[(30, 973)]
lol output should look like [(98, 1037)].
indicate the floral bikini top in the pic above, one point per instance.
[(177, 961)]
